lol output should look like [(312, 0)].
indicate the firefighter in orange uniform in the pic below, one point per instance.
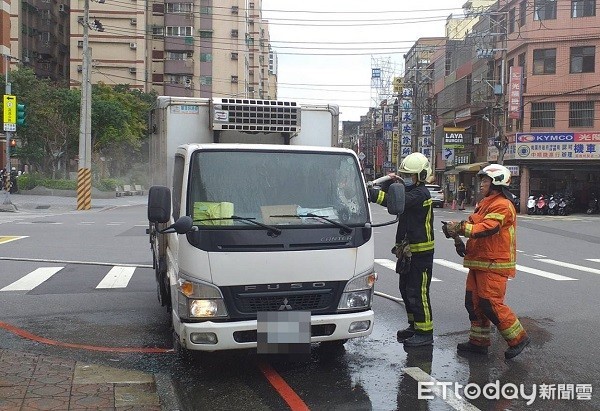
[(491, 260)]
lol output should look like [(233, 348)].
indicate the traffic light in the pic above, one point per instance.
[(21, 114)]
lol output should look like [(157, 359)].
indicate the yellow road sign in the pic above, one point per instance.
[(10, 109)]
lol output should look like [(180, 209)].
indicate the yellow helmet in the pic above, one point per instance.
[(416, 163)]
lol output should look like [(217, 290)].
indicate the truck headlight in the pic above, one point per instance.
[(358, 293), (197, 299)]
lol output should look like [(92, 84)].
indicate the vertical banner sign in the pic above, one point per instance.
[(426, 143), (515, 90), (395, 147), (10, 112), (406, 123)]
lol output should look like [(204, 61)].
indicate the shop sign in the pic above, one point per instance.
[(558, 146), (514, 170), (454, 136), (514, 92)]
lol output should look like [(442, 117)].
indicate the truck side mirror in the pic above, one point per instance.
[(183, 225), (159, 204), (396, 199)]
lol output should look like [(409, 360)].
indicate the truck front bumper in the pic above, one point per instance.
[(234, 335)]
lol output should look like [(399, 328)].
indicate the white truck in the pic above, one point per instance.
[(255, 215)]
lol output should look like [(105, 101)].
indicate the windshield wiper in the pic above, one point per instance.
[(272, 230), (344, 229)]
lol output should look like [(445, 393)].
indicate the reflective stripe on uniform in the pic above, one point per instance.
[(513, 331), (495, 216), (380, 197), (468, 229), (426, 325), (420, 247), (482, 265)]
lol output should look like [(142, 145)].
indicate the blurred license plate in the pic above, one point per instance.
[(283, 332)]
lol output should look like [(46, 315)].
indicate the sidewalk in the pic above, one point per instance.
[(65, 202), (39, 382)]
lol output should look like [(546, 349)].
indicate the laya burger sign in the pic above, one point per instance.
[(558, 146), (454, 137)]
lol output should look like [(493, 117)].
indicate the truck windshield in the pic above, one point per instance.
[(275, 188)]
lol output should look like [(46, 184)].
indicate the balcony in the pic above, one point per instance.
[(179, 43), (179, 66)]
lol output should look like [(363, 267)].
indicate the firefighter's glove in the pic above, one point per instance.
[(461, 250), (453, 229), (404, 255)]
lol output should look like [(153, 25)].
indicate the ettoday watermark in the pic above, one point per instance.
[(497, 390)]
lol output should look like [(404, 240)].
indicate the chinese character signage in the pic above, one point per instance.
[(515, 89), (558, 146)]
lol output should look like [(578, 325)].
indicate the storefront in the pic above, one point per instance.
[(551, 163)]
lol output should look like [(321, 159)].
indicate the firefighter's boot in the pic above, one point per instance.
[(408, 332), (419, 340), (470, 347), (516, 349)]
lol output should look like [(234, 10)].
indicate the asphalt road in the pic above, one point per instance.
[(554, 295)]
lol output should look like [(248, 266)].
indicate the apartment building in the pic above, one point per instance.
[(553, 131)]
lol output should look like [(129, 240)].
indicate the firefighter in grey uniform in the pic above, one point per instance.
[(414, 248)]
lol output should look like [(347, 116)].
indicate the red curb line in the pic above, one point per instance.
[(285, 391), (27, 335)]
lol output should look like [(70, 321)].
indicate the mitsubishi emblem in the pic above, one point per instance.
[(285, 305)]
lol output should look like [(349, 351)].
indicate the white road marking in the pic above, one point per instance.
[(87, 222), (433, 386), (546, 274), (117, 277), (569, 265), (9, 238), (450, 264), (594, 260), (33, 279), (392, 266)]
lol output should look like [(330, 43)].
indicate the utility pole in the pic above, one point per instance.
[(502, 142), (84, 170), (7, 204)]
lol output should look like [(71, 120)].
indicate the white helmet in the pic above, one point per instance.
[(499, 174), (416, 163)]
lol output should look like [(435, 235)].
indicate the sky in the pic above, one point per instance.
[(327, 48)]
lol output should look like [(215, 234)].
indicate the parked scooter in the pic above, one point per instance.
[(565, 205), (553, 205), (593, 204), (541, 205), (531, 205)]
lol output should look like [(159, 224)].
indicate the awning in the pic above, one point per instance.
[(472, 168)]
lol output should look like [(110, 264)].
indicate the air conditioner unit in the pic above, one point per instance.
[(133, 22), (133, 46), (188, 83), (80, 44), (476, 140), (132, 70), (190, 54), (62, 7)]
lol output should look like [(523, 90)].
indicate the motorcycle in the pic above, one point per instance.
[(593, 205), (565, 205), (531, 205), (552, 205), (541, 205)]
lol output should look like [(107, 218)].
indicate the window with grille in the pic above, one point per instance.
[(179, 31), (583, 59), (581, 114), (583, 8), (543, 115), (234, 56), (234, 79), (234, 33), (205, 80), (206, 57), (158, 32), (511, 20), (544, 61), (179, 7), (206, 34), (522, 13), (544, 10)]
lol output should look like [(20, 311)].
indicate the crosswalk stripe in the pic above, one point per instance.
[(450, 264), (117, 277), (569, 265), (392, 266), (546, 274), (594, 260), (33, 279)]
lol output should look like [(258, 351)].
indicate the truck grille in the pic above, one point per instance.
[(255, 115), (297, 302)]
